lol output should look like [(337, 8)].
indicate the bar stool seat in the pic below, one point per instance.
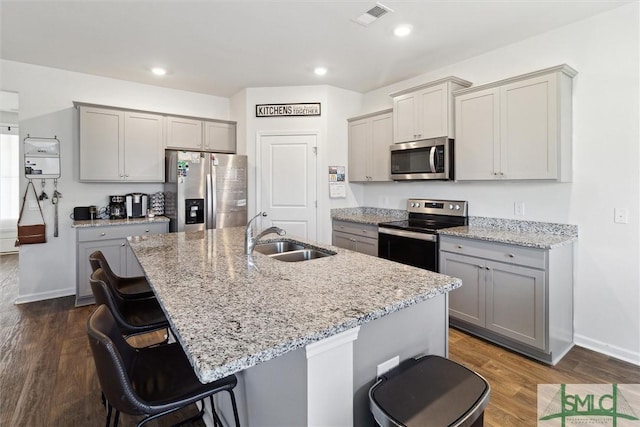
[(127, 287), (431, 391), (133, 316)]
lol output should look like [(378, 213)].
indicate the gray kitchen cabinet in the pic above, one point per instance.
[(518, 297), (111, 240), (120, 145), (219, 136), (369, 139), (425, 111), (184, 133), (515, 129), (356, 237)]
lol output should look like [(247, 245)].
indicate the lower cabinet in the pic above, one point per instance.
[(112, 242), (516, 296), (356, 237)]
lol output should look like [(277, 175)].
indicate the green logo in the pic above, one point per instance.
[(590, 404)]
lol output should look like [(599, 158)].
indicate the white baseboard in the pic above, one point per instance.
[(608, 349), (41, 296)]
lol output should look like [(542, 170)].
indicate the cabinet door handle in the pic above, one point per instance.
[(103, 234), (480, 266), (487, 268), (511, 255), (146, 230), (459, 246), (122, 244)]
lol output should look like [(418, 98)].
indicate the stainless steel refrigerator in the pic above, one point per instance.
[(205, 190)]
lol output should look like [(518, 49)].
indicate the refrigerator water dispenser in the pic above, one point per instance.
[(194, 211)]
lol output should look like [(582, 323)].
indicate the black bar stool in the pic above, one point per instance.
[(127, 287), (133, 316), (150, 381), (430, 391)]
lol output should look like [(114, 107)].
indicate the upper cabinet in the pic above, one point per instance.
[(206, 135), (184, 133), (119, 145), (219, 136), (425, 111), (516, 129), (369, 139)]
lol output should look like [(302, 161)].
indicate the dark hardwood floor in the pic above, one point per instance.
[(47, 376)]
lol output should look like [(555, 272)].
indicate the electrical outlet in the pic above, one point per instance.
[(518, 208), (621, 215), (388, 365)]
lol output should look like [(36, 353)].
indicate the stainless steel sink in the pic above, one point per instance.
[(301, 255), (288, 251), (277, 247)]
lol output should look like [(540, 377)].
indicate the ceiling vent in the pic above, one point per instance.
[(373, 14)]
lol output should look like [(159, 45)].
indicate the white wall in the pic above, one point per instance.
[(46, 110), (336, 106), (605, 51)]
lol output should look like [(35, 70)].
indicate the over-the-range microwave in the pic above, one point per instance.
[(425, 159)]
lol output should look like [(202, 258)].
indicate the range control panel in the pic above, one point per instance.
[(438, 207)]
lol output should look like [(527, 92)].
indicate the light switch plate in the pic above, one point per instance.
[(621, 215)]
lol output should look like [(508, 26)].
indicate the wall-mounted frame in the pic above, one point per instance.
[(41, 158)]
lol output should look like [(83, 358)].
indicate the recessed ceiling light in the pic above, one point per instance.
[(402, 30), (320, 71), (159, 71)]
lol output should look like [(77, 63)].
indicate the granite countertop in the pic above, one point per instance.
[(113, 222), (541, 235), (231, 311), (366, 215)]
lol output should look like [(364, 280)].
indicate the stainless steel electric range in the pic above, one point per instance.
[(414, 241)]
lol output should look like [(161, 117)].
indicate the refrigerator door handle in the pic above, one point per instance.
[(211, 201)]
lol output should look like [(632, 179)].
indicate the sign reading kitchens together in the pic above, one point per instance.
[(284, 110)]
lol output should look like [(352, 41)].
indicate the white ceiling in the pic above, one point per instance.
[(220, 47)]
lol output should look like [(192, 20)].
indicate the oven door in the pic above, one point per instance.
[(409, 247)]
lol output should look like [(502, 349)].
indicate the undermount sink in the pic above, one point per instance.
[(277, 247), (301, 255), (288, 251)]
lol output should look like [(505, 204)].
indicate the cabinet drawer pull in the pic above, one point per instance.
[(459, 246), (122, 244), (480, 266), (103, 234), (146, 230), (511, 255)]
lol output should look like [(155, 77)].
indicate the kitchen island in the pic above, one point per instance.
[(304, 338)]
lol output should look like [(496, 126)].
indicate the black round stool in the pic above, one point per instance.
[(430, 391)]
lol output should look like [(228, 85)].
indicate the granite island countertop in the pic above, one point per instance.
[(231, 311)]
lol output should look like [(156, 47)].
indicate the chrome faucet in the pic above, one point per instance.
[(250, 240)]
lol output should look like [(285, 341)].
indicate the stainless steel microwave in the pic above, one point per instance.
[(426, 159)]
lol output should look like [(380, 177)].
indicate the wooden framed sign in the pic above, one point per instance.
[(288, 110)]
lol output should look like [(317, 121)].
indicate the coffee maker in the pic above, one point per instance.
[(137, 204), (117, 208)]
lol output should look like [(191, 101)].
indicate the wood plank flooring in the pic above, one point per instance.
[(47, 376)]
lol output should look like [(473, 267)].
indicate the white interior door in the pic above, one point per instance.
[(287, 182)]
